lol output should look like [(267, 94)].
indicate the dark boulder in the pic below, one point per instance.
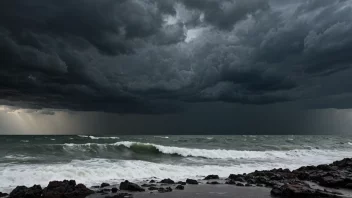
[(24, 192), (239, 184), (330, 181), (114, 190), (230, 182), (181, 183), (347, 162), (167, 181), (79, 191), (180, 187), (211, 177), (153, 188), (164, 190), (349, 185), (191, 181), (3, 194), (104, 185), (152, 181), (234, 176), (67, 189), (129, 186)]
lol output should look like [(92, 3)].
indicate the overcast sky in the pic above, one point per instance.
[(175, 66)]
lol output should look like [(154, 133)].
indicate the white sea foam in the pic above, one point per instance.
[(350, 143), (19, 157), (25, 141), (95, 171)]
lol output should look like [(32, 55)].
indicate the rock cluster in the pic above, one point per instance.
[(286, 183), (55, 189), (212, 177), (129, 186), (191, 181)]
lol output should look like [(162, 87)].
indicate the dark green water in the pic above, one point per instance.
[(25, 160)]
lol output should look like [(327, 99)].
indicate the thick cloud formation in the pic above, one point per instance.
[(152, 56)]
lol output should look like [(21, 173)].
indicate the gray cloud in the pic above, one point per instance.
[(152, 56)]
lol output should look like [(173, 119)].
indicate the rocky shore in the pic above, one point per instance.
[(328, 180)]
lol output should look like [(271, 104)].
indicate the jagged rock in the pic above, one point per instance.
[(167, 181), (114, 190), (24, 192), (129, 186), (180, 187), (211, 177), (104, 185), (67, 189), (152, 181), (191, 181), (3, 194)]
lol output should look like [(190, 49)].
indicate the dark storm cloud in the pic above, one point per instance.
[(151, 56), (225, 13)]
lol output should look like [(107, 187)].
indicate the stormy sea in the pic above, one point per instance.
[(28, 160)]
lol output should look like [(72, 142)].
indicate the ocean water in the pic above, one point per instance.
[(28, 160)]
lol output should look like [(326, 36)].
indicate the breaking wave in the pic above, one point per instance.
[(155, 149)]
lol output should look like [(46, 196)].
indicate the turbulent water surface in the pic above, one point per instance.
[(28, 160)]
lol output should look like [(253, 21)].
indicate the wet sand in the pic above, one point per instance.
[(202, 191), (205, 191)]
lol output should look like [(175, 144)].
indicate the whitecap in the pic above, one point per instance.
[(164, 137), (103, 138)]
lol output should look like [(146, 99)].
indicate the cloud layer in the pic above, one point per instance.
[(152, 56)]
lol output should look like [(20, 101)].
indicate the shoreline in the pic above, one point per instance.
[(326, 180)]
